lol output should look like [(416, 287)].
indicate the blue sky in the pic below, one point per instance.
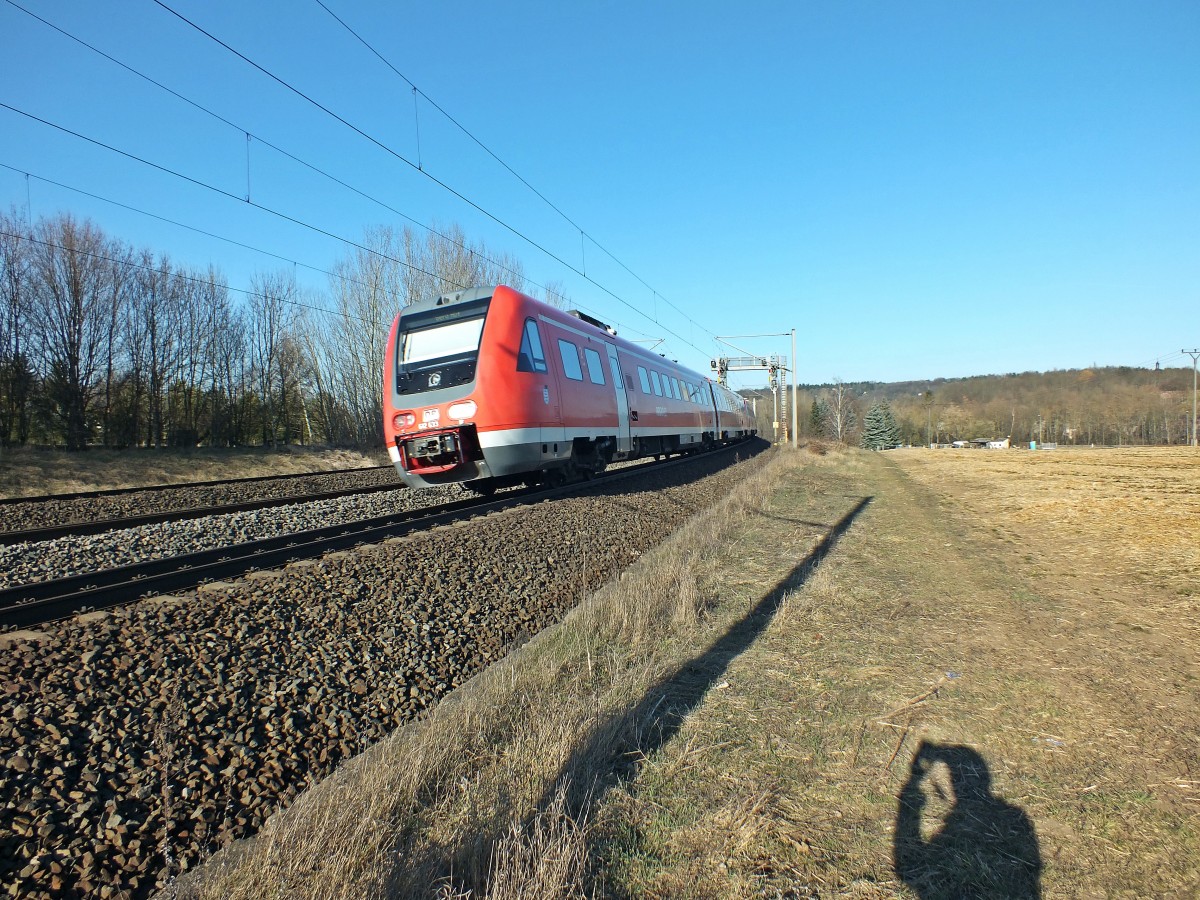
[(920, 189)]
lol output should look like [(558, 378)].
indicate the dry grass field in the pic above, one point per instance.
[(1098, 519), (909, 674), (26, 472)]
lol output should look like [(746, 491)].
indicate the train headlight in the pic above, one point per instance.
[(403, 420), (464, 410)]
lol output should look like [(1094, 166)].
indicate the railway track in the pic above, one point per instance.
[(28, 605), (100, 526), (165, 488), (186, 725), (74, 506)]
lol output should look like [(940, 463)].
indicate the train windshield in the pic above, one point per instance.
[(438, 348), (441, 341)]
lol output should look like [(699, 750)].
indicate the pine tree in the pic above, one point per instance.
[(880, 431), (819, 418)]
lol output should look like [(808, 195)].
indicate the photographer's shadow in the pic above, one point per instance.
[(978, 845)]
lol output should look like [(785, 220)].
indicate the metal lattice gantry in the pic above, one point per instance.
[(776, 365)]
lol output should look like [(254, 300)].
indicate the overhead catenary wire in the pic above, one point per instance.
[(402, 158), (343, 278), (248, 135), (221, 191), (197, 182), (259, 138), (486, 149), (316, 169), (142, 212), (1162, 360), (207, 282)]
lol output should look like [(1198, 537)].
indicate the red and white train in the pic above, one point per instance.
[(491, 387)]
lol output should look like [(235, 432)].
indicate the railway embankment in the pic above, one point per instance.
[(140, 740)]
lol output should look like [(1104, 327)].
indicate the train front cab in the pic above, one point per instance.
[(430, 374), (475, 382)]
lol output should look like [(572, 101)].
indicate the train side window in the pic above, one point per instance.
[(657, 383), (645, 379), (530, 357), (675, 388), (570, 360), (595, 369)]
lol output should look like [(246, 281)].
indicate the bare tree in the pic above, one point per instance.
[(154, 328), (230, 375), (842, 416), (273, 316), (503, 268), (121, 274), (17, 378), (74, 305), (369, 288), (203, 298), (455, 264), (555, 293)]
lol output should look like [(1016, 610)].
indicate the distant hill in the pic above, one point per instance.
[(1109, 406)]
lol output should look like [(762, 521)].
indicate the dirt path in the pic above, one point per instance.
[(1053, 730)]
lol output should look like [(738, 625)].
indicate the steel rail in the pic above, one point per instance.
[(99, 526), (117, 492)]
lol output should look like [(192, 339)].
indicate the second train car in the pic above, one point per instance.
[(490, 387)]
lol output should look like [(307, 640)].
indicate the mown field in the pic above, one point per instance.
[(986, 687)]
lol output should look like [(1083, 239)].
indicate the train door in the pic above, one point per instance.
[(553, 428), (716, 411), (623, 442)]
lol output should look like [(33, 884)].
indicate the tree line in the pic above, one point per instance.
[(104, 344), (1104, 406)]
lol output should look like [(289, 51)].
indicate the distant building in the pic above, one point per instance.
[(982, 444)]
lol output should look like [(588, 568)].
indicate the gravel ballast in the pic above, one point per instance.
[(31, 562), (138, 742)]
